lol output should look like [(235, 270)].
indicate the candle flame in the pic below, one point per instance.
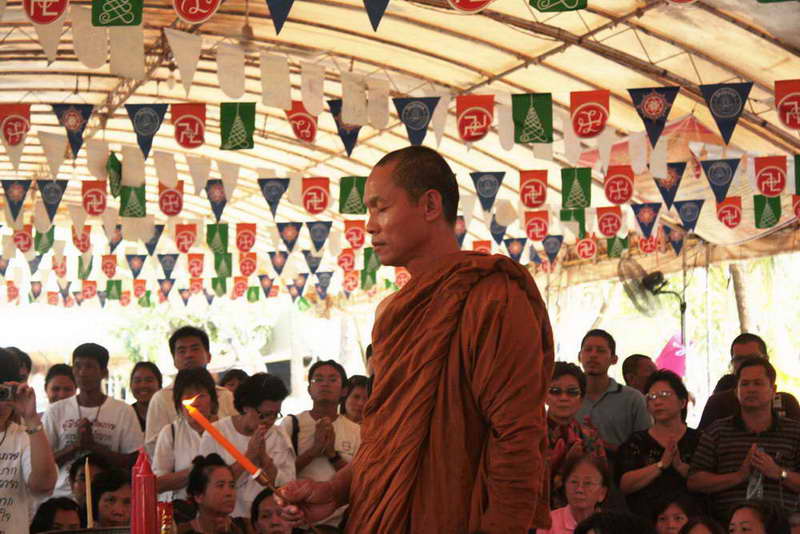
[(189, 402)]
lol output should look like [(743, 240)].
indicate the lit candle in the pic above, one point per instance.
[(87, 476)]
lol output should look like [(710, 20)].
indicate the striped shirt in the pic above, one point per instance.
[(723, 448)]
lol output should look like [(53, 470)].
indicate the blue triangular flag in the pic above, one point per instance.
[(646, 215), (34, 262), (165, 284), (293, 291), (152, 243), (64, 290), (146, 120), (273, 189), (135, 262), (534, 256), (3, 266), (312, 261), (375, 10), (653, 105), (185, 294), (74, 118), (319, 232), (279, 12), (278, 260), (487, 184), (322, 292), (720, 173), (167, 262), (416, 114), (668, 186), (324, 279), (726, 102), (15, 191), (498, 231), (347, 132), (289, 233), (209, 296), (300, 282), (36, 289), (689, 212), (515, 246), (115, 238), (461, 230), (215, 191), (266, 283), (675, 238), (102, 296), (52, 192), (552, 245)]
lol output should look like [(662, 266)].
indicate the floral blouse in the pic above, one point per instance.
[(564, 441)]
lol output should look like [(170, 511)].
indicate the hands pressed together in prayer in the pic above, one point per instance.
[(761, 461), (324, 438), (257, 453), (672, 457)]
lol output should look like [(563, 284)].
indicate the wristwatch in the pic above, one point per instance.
[(30, 430), (784, 474)]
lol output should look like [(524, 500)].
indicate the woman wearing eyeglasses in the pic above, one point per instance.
[(566, 436), (655, 462), (586, 483), (258, 401)]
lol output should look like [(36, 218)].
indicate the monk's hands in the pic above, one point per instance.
[(303, 502)]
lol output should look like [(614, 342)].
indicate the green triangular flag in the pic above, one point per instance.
[(576, 188), (368, 279), (576, 216), (132, 202), (114, 289), (43, 241), (533, 118), (114, 169), (223, 264), (253, 294), (238, 124), (616, 245), (371, 261), (217, 237), (351, 195), (219, 286), (117, 13), (303, 304), (144, 300), (84, 267), (547, 6), (768, 211)]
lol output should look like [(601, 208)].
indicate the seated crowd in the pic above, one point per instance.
[(620, 457)]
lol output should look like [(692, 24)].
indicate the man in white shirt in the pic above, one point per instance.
[(190, 348), (27, 467), (324, 441), (253, 431), (91, 421)]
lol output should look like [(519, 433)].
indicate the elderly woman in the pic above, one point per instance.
[(586, 480), (655, 462), (565, 435)]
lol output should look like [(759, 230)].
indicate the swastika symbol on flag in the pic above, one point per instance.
[(195, 267), (536, 229), (789, 110), (81, 241), (474, 123), (23, 240), (346, 262), (586, 248), (609, 224), (315, 199), (245, 240), (589, 119), (730, 216), (94, 202), (184, 240), (247, 267), (533, 193), (648, 245), (14, 128), (351, 281), (109, 267), (189, 131), (618, 189), (171, 202), (355, 236), (771, 181)]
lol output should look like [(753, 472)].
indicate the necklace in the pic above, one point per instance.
[(96, 415)]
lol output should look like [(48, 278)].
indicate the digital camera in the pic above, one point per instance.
[(7, 393)]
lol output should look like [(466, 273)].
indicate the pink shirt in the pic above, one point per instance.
[(563, 522)]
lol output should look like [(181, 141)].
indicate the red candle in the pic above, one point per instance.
[(144, 508)]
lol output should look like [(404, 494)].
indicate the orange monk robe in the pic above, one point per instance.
[(454, 432)]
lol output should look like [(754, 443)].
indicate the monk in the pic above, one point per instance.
[(454, 432)]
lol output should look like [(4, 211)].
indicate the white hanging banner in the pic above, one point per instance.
[(605, 141), (186, 49), (354, 99), (274, 236), (295, 191), (50, 36), (148, 228), (134, 228), (313, 76), (439, 119), (658, 158), (96, 158), (9, 247), (335, 242), (165, 168), (378, 102), (132, 166), (40, 218), (505, 126), (2, 8), (55, 148), (543, 151), (90, 42), (504, 212), (637, 151), (572, 144), (58, 247), (127, 51), (110, 219), (265, 173), (77, 214), (468, 208), (15, 224), (199, 167), (230, 69), (229, 172), (276, 89)]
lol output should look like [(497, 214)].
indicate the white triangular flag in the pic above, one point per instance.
[(199, 167), (335, 242), (605, 141), (230, 69), (543, 151), (504, 211), (50, 36), (274, 236), (15, 224), (468, 208), (77, 214), (90, 42), (439, 119), (58, 247), (295, 190), (165, 168), (572, 144), (127, 51), (229, 172), (658, 158), (276, 88), (97, 157), (132, 166), (148, 228), (354, 99), (505, 126), (378, 102), (9, 247), (55, 148), (311, 86), (110, 219), (637, 152), (41, 220), (186, 49), (265, 173)]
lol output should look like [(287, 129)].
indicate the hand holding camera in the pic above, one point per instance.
[(22, 397)]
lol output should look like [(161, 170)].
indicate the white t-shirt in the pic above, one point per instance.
[(114, 426), (173, 455), (161, 412), (348, 439), (278, 448), (15, 469)]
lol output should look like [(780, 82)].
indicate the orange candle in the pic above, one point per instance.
[(243, 460)]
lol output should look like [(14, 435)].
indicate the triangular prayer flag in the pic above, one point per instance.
[(324, 278), (52, 192), (319, 232), (64, 289), (217, 237), (135, 263), (278, 260), (36, 290), (289, 233), (689, 212), (461, 230), (279, 12), (487, 185), (33, 263), (238, 122), (351, 195), (273, 189), (515, 247), (533, 118), (312, 261), (146, 120), (767, 211), (167, 262), (74, 118), (223, 264), (185, 294), (576, 188), (668, 186), (85, 267), (416, 114), (266, 284), (676, 237), (348, 133), (165, 285), (552, 246), (653, 105), (186, 47), (15, 191), (646, 216), (720, 173), (497, 230), (726, 102), (114, 170), (375, 10), (152, 243), (474, 116), (215, 191)]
